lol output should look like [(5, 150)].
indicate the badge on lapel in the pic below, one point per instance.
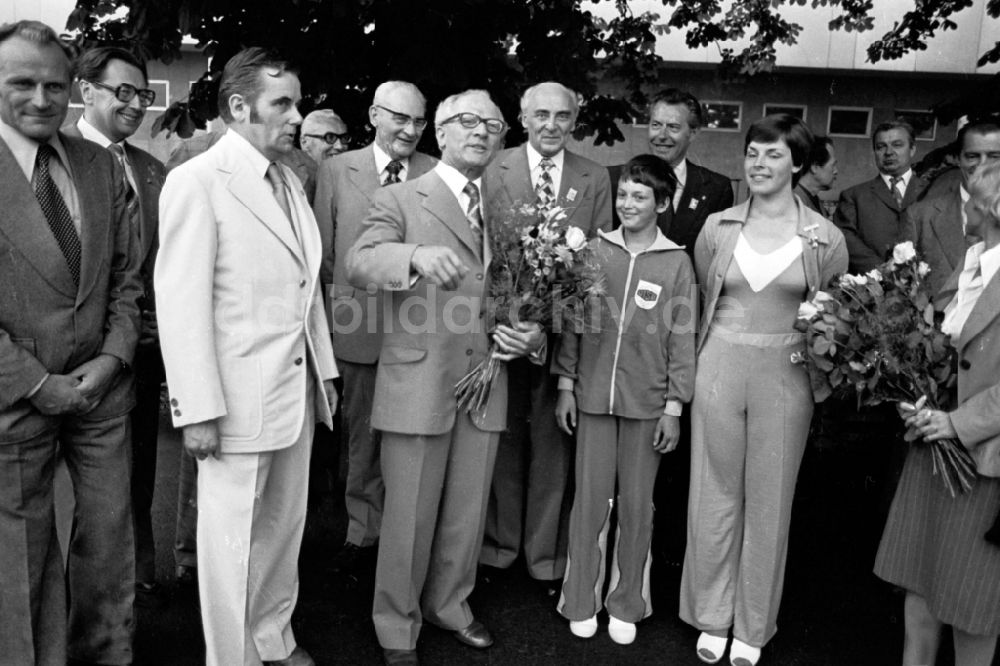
[(646, 294), (571, 195), (693, 204)]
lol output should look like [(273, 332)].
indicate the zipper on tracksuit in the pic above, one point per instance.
[(621, 330)]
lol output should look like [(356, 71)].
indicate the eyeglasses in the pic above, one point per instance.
[(125, 93), (331, 138), (402, 119), (471, 120)]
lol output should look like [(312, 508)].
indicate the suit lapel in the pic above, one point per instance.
[(419, 165), (947, 226), (986, 309), (575, 178), (144, 190), (516, 177), (362, 174), (23, 222), (685, 215), (881, 191), (95, 213), (442, 204), (255, 194), (913, 190)]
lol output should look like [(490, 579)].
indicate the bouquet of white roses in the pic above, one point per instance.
[(876, 336), (542, 271)]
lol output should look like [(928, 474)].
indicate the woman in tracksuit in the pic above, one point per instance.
[(622, 385)]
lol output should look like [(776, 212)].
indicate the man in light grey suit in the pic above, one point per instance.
[(346, 184), (531, 497)]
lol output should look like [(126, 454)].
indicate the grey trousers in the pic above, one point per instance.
[(364, 492)]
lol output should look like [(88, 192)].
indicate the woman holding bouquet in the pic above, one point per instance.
[(933, 545), (756, 263)]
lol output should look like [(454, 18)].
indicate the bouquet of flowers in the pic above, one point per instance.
[(542, 271), (877, 336)]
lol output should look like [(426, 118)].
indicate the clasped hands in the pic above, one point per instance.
[(79, 391)]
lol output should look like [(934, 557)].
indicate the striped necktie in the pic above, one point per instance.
[(56, 213), (131, 200), (392, 170), (474, 216), (897, 196)]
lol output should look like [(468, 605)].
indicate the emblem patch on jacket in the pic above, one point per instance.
[(646, 294)]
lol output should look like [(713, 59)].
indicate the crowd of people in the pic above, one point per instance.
[(253, 278)]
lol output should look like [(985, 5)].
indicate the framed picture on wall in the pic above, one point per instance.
[(797, 110), (849, 121), (162, 89), (723, 116), (924, 123)]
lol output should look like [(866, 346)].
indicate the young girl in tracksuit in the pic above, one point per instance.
[(622, 385)]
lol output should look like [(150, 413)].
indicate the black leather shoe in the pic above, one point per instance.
[(298, 657), (351, 557), (475, 635), (400, 657)]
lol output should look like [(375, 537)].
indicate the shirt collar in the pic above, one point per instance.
[(681, 172), (988, 261), (25, 149), (456, 180), (91, 133), (661, 242), (382, 160), (535, 158), (905, 179), (254, 157)]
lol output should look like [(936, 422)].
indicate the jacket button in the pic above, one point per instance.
[(302, 284), (177, 412), (298, 361), (468, 352), (173, 402), (964, 364), (479, 276)]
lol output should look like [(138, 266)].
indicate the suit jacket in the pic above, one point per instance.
[(810, 200), (935, 226), (978, 345), (705, 192), (871, 221), (432, 337), (346, 184), (47, 323), (584, 189), (239, 303)]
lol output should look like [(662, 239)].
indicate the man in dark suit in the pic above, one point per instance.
[(818, 174), (346, 184), (69, 323), (532, 493), (675, 117), (871, 214), (113, 84), (937, 224)]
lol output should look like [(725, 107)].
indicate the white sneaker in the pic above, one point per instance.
[(583, 628), (741, 654), (711, 648), (621, 632)]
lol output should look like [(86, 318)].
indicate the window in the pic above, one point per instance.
[(723, 116), (797, 110), (849, 121), (924, 123)]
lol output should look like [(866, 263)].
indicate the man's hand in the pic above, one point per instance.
[(95, 377), (59, 394), (566, 411), (201, 440), (523, 340), (667, 433), (439, 265), (331, 395), (149, 333)]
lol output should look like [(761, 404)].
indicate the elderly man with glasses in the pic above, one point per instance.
[(324, 135)]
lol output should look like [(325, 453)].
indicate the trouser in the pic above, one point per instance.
[(364, 492), (750, 419), (100, 572), (432, 528), (145, 419), (610, 449), (252, 512), (186, 529)]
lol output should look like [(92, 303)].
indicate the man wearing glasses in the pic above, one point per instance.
[(425, 244), (346, 184), (113, 85), (324, 135)]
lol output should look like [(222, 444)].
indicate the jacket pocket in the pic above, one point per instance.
[(392, 354), (241, 386), (27, 343)]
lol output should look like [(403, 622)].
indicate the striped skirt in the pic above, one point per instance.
[(933, 546)]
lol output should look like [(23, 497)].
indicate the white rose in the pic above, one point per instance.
[(923, 269), (821, 297), (575, 238), (850, 280), (874, 275), (903, 252), (807, 311)]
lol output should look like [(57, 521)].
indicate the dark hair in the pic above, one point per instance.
[(787, 128), (819, 154), (241, 76), (674, 96), (651, 171), (980, 126), (35, 31), (91, 64), (895, 124)]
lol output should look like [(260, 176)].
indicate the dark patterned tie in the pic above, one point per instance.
[(131, 200), (474, 216), (392, 170), (55, 211), (545, 188), (897, 196)]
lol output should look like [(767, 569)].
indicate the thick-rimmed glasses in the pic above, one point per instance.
[(125, 93), (471, 120), (403, 119), (331, 138)]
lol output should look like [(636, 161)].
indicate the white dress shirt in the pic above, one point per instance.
[(904, 181), (970, 286), (382, 160)]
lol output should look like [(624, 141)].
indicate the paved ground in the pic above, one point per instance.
[(835, 612)]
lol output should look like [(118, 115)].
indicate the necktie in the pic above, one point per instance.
[(473, 215), (392, 170), (545, 188), (131, 200), (278, 190), (55, 211), (897, 196)]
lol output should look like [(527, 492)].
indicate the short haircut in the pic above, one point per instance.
[(321, 117), (787, 128), (982, 126), (895, 124), (387, 87), (35, 31), (984, 190), (241, 76), (653, 172), (91, 64), (569, 92), (446, 109), (674, 96), (820, 153)]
